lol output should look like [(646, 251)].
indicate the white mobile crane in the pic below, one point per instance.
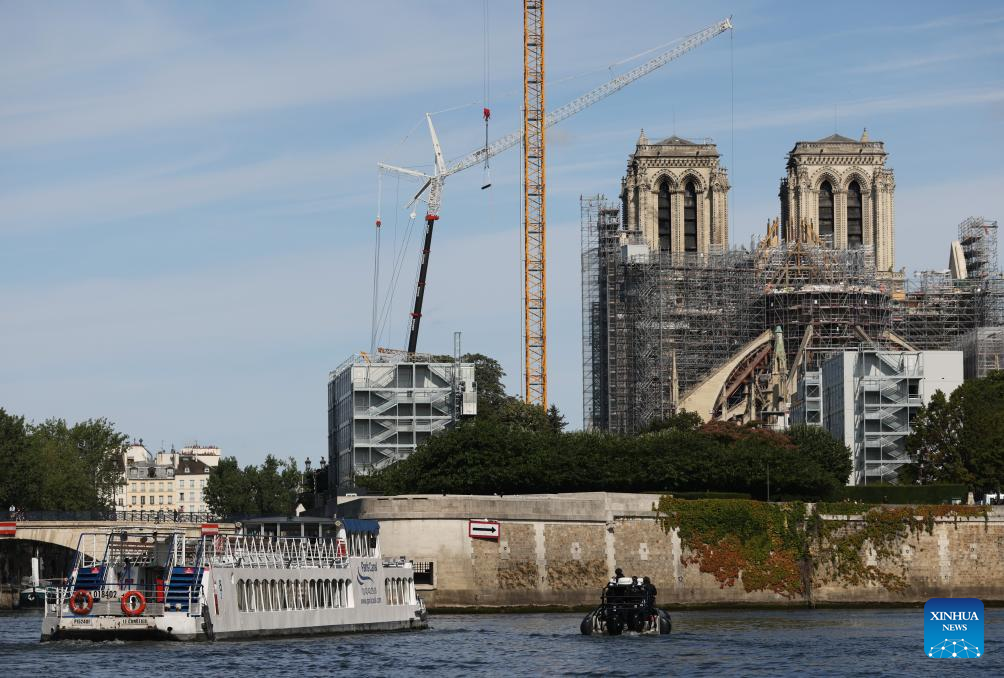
[(433, 184)]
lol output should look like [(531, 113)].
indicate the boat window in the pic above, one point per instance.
[(304, 596), (313, 593), (241, 596), (275, 595), (291, 591)]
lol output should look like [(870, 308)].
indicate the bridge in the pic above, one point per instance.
[(65, 529)]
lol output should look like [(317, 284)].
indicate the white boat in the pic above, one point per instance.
[(132, 584)]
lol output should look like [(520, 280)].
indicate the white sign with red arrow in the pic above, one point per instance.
[(483, 529)]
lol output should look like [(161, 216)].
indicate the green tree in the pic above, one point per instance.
[(934, 444), (73, 468), (267, 490), (832, 455), (228, 490), (488, 375), (100, 447), (509, 455), (15, 480), (555, 419), (678, 421), (959, 439), (981, 434)]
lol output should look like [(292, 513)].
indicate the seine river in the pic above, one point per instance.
[(707, 642)]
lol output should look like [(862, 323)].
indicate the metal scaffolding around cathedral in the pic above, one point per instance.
[(673, 319)]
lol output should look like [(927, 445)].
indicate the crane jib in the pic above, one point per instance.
[(434, 184)]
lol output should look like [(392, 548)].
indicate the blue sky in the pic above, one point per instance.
[(187, 190)]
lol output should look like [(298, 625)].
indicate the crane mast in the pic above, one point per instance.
[(534, 206)]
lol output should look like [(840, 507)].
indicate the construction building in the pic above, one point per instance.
[(673, 319), (869, 398), (380, 409)]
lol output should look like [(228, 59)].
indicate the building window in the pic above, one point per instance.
[(665, 219), (181, 497), (690, 218), (637, 208), (826, 210), (854, 225), (425, 574)]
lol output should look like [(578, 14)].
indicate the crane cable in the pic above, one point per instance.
[(486, 84), (376, 265)]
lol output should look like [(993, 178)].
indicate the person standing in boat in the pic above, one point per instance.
[(650, 591)]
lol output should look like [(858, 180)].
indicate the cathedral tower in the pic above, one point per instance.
[(676, 196), (844, 188)]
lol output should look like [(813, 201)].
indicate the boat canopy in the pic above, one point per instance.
[(361, 525)]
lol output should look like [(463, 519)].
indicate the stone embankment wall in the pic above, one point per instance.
[(561, 549)]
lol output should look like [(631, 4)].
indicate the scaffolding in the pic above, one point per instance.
[(982, 351), (657, 324), (835, 292), (600, 224), (589, 208), (978, 238), (674, 318), (939, 311)]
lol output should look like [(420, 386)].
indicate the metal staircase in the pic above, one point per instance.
[(184, 579)]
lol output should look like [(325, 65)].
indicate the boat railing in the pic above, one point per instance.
[(275, 552), (108, 602)]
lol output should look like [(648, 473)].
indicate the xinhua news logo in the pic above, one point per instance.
[(953, 628)]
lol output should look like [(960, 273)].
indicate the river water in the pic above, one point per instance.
[(704, 642)]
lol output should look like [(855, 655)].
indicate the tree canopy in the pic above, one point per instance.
[(53, 466), (960, 438), (267, 490), (511, 453)]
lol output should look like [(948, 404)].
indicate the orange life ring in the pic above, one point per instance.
[(81, 602), (127, 608)]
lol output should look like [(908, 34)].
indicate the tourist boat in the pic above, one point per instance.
[(627, 605), (143, 584)]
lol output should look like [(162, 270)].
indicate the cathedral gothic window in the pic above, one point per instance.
[(665, 220), (826, 210), (854, 225), (690, 218)]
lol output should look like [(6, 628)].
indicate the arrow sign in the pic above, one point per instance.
[(483, 529)]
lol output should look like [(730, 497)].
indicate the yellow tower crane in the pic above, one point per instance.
[(534, 206)]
